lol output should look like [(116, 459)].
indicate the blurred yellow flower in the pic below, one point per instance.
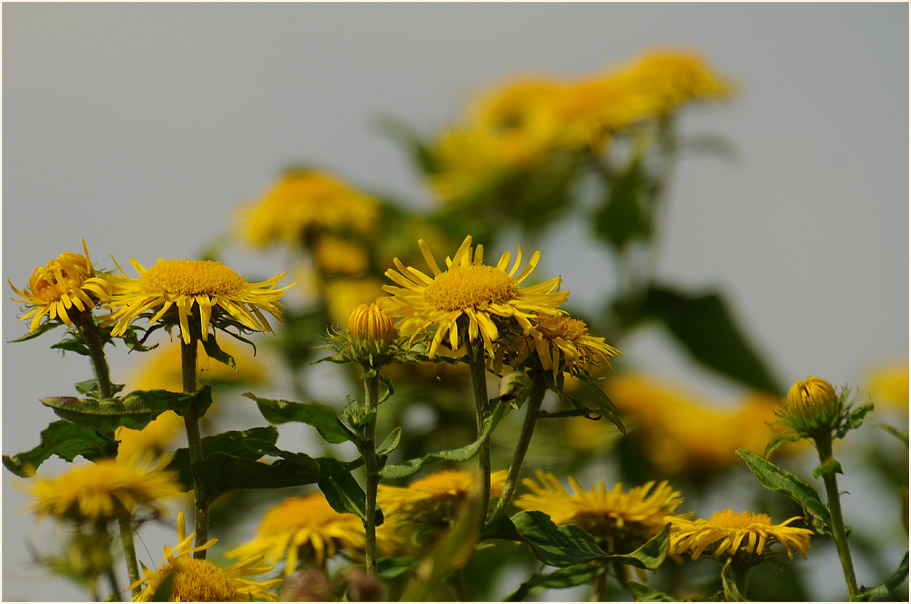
[(438, 494), (468, 291), (55, 289), (344, 294), (673, 77), (334, 255), (745, 532), (197, 580), (217, 292), (678, 432), (95, 491), (622, 520), (302, 202), (888, 385)]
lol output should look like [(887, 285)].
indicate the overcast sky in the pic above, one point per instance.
[(139, 127)]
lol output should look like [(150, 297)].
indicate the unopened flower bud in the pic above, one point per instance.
[(813, 401), (369, 322)]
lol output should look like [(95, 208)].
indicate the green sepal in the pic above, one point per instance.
[(215, 352), (342, 491), (784, 483), (889, 585), (134, 410), (830, 467), (74, 343), (65, 440), (731, 591), (40, 330), (902, 435), (780, 440), (465, 453), (322, 417), (646, 593), (390, 442), (570, 576), (853, 420), (357, 415)]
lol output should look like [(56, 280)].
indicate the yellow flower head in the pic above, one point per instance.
[(308, 527), (61, 285), (674, 77), (562, 344), (624, 520), (94, 491), (368, 322), (302, 202), (737, 533), (218, 293), (468, 292), (334, 255), (344, 294), (813, 403), (197, 580), (439, 494)]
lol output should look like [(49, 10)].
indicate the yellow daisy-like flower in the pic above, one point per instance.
[(745, 532), (562, 344), (304, 201), (437, 493), (623, 520), (674, 77), (214, 289), (307, 527), (468, 292), (197, 580), (63, 284), (94, 491)]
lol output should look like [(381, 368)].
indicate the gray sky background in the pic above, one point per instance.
[(139, 127)]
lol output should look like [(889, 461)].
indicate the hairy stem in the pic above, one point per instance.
[(129, 549), (479, 388), (371, 465), (194, 439)]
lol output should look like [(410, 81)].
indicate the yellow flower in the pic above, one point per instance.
[(61, 285), (218, 293), (623, 520), (563, 344), (334, 255), (467, 292), (889, 385), (306, 522), (94, 491), (745, 532), (813, 403), (674, 77), (302, 202), (344, 294), (153, 440), (368, 322), (197, 580), (438, 493), (678, 431)]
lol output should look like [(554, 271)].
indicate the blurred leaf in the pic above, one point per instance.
[(65, 440), (465, 453), (645, 593), (390, 568), (570, 576), (784, 483), (706, 327), (623, 216), (322, 417), (215, 352), (778, 441), (731, 591), (342, 491), (830, 467), (890, 584), (902, 435), (710, 144), (403, 134)]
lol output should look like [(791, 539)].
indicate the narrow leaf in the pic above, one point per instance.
[(342, 491), (390, 442), (571, 576), (902, 435), (647, 593), (321, 417), (40, 330), (890, 584), (215, 352), (65, 440)]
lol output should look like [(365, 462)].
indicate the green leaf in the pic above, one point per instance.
[(830, 467), (65, 440), (163, 591), (651, 554), (73, 344), (90, 388), (624, 217), (731, 591), (390, 442), (784, 483), (321, 417), (342, 491), (890, 584), (646, 593), (215, 352), (853, 420), (465, 453), (706, 327), (780, 440), (40, 330), (135, 410), (554, 545), (571, 576), (902, 435), (390, 568)]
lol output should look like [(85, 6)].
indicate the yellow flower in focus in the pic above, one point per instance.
[(675, 77), (439, 494), (95, 491), (467, 292), (307, 527), (745, 532), (334, 255), (344, 294), (197, 580), (55, 289), (215, 290), (813, 403), (623, 520), (564, 344), (889, 384), (303, 202)]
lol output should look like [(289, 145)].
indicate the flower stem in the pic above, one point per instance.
[(194, 440), (823, 443), (371, 465), (479, 388), (95, 345), (538, 390), (129, 550)]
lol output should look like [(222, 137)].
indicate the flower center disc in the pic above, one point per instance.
[(733, 520), (470, 287), (562, 327), (192, 277), (200, 581)]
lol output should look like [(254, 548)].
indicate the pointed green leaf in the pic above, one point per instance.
[(72, 344), (784, 483), (853, 420), (321, 417), (390, 442), (778, 441), (215, 352), (40, 330), (902, 435), (571, 576), (557, 545), (647, 593), (342, 491), (65, 440), (465, 453), (890, 584), (651, 554), (830, 467)]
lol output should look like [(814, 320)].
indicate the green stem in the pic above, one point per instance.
[(194, 439), (371, 465), (479, 388), (129, 549), (598, 587), (839, 534), (96, 353), (538, 390)]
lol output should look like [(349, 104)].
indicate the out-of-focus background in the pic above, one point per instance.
[(139, 127)]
